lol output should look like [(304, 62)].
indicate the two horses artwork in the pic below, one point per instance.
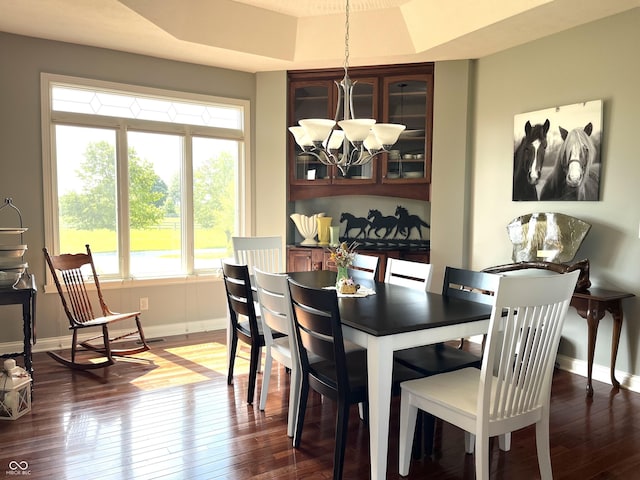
[(574, 175)]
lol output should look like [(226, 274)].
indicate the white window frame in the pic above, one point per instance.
[(50, 118)]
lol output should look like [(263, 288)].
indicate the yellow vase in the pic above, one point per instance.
[(324, 230)]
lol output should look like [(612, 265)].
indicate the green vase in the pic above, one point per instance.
[(342, 275)]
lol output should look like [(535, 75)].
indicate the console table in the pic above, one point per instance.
[(24, 293), (592, 305)]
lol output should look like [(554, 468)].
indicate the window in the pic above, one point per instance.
[(151, 179)]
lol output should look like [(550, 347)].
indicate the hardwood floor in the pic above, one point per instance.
[(170, 415)]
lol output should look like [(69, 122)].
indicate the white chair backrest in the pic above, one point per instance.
[(524, 333), (364, 267), (409, 274), (275, 305), (262, 252)]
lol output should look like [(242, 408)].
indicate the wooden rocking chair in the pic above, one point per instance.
[(78, 307)]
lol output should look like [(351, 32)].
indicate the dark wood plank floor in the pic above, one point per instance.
[(171, 415)]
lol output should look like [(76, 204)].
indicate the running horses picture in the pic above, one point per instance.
[(558, 158), (379, 223), (528, 160), (380, 231), (408, 222), (359, 224)]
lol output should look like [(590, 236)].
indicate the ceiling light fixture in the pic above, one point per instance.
[(365, 138)]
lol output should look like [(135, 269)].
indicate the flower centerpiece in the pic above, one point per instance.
[(343, 256), (347, 285)]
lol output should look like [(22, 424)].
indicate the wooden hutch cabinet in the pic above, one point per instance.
[(390, 94), (302, 259)]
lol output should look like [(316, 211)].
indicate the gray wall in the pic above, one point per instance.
[(595, 61), (178, 308)]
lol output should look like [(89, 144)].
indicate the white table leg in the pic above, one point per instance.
[(380, 368)]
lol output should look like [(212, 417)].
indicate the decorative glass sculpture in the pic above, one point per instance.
[(549, 237)]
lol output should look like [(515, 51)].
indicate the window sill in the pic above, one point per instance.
[(113, 284)]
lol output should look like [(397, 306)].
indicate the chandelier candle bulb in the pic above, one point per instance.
[(356, 130), (371, 143), (317, 129), (336, 139), (301, 136), (387, 133)]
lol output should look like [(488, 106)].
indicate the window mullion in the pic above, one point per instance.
[(122, 186), (186, 181)]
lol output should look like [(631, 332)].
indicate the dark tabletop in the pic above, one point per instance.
[(396, 309), (601, 294)]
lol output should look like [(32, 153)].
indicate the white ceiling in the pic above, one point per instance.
[(265, 35)]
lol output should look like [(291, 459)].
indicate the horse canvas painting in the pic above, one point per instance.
[(567, 161)]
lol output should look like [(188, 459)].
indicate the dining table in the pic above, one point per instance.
[(392, 318)]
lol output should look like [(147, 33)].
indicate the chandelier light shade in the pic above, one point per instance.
[(357, 140)]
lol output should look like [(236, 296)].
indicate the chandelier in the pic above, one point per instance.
[(365, 139)]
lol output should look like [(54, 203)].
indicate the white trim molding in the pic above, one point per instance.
[(151, 332), (600, 373)]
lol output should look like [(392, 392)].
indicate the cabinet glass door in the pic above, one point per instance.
[(309, 100), (406, 102)]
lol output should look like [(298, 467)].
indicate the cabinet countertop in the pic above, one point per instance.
[(416, 246)]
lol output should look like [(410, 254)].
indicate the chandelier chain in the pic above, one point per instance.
[(346, 39)]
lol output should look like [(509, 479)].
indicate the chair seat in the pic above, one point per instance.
[(457, 390), (281, 345), (357, 370), (433, 359), (109, 319), (244, 327), (427, 361), (457, 393)]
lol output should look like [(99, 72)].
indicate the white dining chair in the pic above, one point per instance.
[(429, 359), (512, 389), (407, 273), (277, 318), (244, 324), (364, 267), (262, 252), (275, 306)]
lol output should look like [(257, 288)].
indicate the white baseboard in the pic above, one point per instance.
[(599, 373), (150, 332)]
